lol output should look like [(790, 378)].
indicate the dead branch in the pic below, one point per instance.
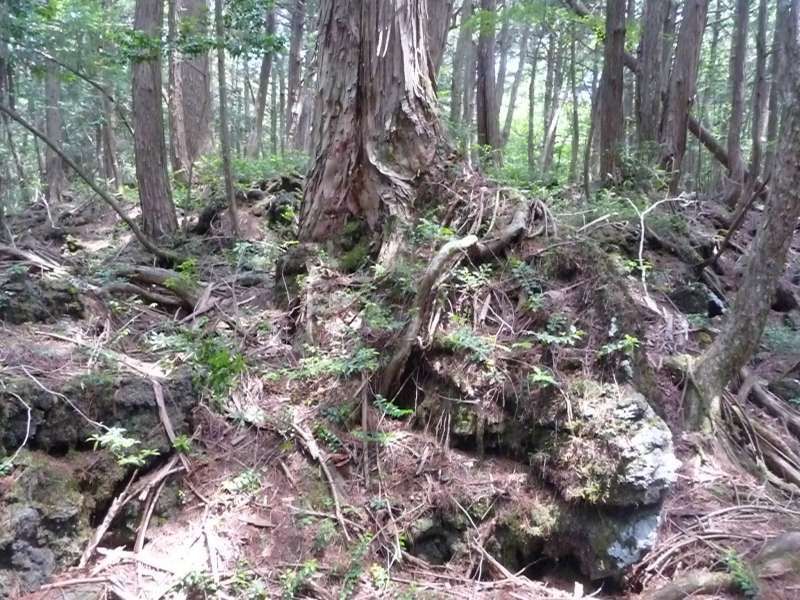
[(150, 296), (167, 279), (699, 582)]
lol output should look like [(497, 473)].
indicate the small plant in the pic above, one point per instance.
[(428, 230), (626, 345), (292, 581), (743, 576), (380, 576), (325, 534), (245, 483), (122, 447), (199, 582), (471, 280), (315, 365), (542, 378), (187, 275), (327, 437), (560, 333), (182, 443), (217, 366), (247, 585), (529, 282), (463, 339), (388, 408), (356, 568), (6, 466)]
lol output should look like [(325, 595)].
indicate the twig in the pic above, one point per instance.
[(312, 449), (163, 415), (10, 461)]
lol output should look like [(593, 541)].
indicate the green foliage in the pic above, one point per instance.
[(187, 276), (743, 576), (199, 582), (245, 483), (542, 378), (470, 280), (626, 345), (246, 585), (363, 360), (378, 317), (293, 580), (182, 444), (356, 567), (217, 366), (328, 438), (427, 231), (530, 283), (325, 534), (781, 339), (122, 447), (560, 332), (388, 408), (464, 339)]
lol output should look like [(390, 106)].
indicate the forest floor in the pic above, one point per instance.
[(259, 458)]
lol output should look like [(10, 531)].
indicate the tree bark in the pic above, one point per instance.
[(736, 167), (518, 76), (739, 338), (296, 27), (532, 110), (553, 101), (760, 93), (189, 89), (254, 141), (573, 83), (440, 13), (587, 149), (682, 85), (460, 61), (378, 128), (503, 45), (274, 134), (650, 75), (775, 68), (56, 181), (488, 120), (612, 125), (470, 78), (158, 211), (224, 133)]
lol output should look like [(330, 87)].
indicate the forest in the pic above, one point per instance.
[(408, 299)]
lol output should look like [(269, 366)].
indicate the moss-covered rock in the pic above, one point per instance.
[(28, 298)]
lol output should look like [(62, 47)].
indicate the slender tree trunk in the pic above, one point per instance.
[(682, 85), (301, 138), (460, 61), (224, 134), (282, 106), (532, 110), (296, 27), (378, 127), (554, 106), (760, 93), (440, 14), (518, 76), (650, 75), (158, 211), (503, 45), (773, 120), (629, 82), (573, 84), (470, 78), (488, 121), (587, 149), (736, 166), (711, 99), (54, 165), (612, 125), (254, 141), (739, 338), (274, 134)]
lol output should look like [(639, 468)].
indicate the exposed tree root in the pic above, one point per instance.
[(698, 582)]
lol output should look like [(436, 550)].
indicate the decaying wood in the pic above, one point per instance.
[(167, 279), (699, 582)]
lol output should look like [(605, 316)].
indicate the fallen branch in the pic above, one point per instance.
[(149, 244), (167, 279), (149, 296), (698, 582), (309, 444), (31, 258)]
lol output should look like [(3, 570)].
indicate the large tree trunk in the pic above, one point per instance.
[(440, 13), (518, 76), (739, 338), (682, 85), (158, 211), (377, 128), (468, 116), (189, 89), (612, 124), (488, 120), (502, 47), (297, 25), (460, 61), (254, 141), (532, 111), (649, 77), (736, 167), (53, 165), (775, 68), (587, 149)]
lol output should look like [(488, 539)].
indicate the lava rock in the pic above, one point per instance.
[(27, 298), (785, 299), (691, 299)]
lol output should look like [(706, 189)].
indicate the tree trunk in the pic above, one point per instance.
[(512, 100), (274, 134), (711, 100), (735, 120), (760, 93), (629, 82), (739, 338), (553, 104), (296, 26), (775, 68), (532, 110), (254, 141), (573, 84), (53, 165), (158, 211), (224, 134), (109, 147), (587, 149), (682, 85), (460, 61), (503, 45), (440, 13), (612, 125), (470, 76), (650, 75), (189, 88), (378, 128), (488, 120)]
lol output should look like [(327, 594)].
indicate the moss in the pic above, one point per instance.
[(355, 258)]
